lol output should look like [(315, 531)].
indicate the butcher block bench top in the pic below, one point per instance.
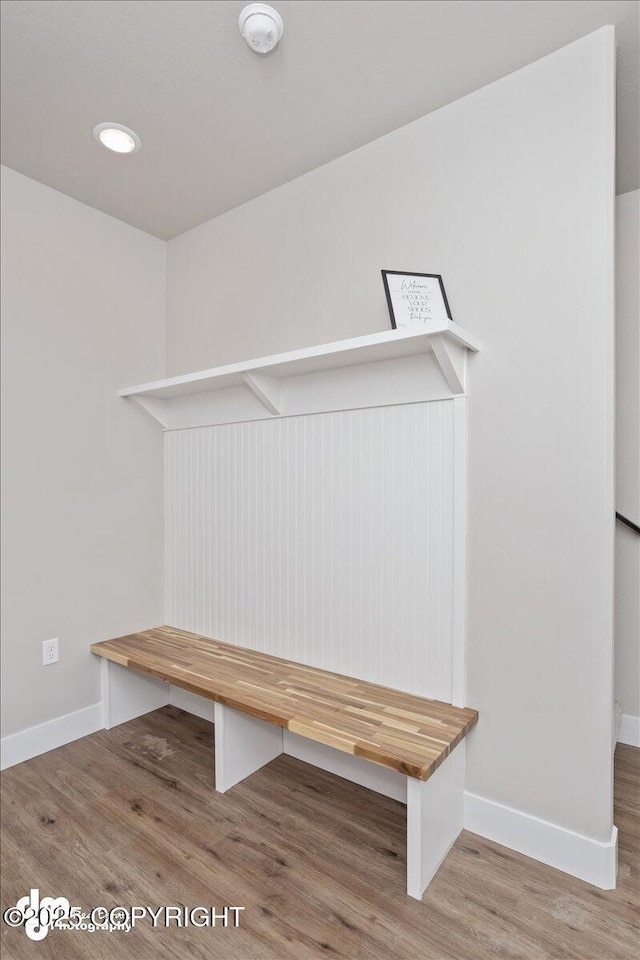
[(399, 730)]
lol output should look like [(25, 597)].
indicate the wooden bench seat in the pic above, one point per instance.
[(407, 733), (257, 697)]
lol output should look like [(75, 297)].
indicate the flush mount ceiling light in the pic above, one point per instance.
[(115, 137), (261, 26)]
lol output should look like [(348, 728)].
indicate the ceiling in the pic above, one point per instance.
[(220, 125)]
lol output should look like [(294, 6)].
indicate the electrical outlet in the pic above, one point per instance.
[(50, 651)]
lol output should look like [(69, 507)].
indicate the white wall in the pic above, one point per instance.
[(509, 194), (627, 672), (83, 313)]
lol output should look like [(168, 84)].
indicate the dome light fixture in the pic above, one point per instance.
[(116, 137), (261, 26)]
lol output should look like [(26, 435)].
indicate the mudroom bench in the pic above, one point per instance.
[(264, 706)]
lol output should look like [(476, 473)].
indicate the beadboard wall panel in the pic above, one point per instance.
[(326, 539)]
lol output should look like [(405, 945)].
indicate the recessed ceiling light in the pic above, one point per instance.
[(115, 137)]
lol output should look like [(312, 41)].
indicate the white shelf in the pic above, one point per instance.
[(374, 370)]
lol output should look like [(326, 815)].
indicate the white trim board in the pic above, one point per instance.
[(629, 730), (44, 737), (594, 861)]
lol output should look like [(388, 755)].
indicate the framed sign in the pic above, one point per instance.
[(415, 299)]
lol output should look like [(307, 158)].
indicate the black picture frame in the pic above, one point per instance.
[(411, 273)]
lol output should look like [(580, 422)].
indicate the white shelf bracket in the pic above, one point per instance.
[(453, 376), (156, 407), (266, 389)]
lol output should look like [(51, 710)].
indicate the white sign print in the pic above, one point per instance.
[(415, 299)]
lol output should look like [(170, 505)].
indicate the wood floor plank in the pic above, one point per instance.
[(129, 816), (389, 727)]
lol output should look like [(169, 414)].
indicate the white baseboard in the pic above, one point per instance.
[(47, 736), (591, 860), (629, 731)]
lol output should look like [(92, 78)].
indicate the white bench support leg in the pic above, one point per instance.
[(434, 820), (127, 694), (243, 744)]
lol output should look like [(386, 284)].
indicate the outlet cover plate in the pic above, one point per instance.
[(50, 651)]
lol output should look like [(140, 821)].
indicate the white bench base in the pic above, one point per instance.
[(244, 744), (434, 820)]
